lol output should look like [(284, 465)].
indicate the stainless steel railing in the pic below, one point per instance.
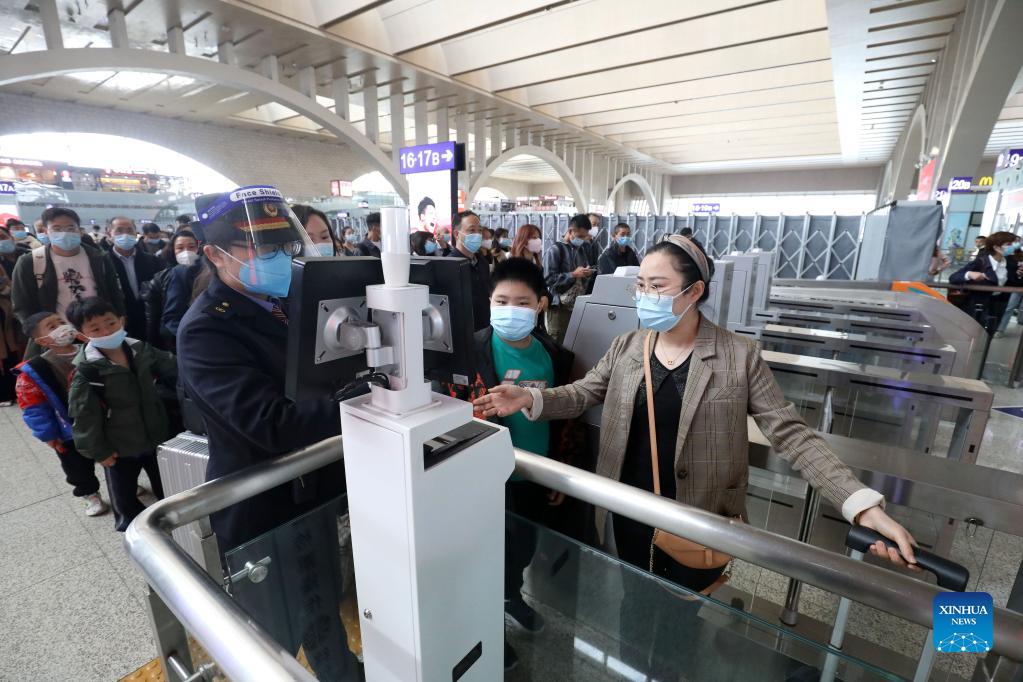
[(243, 651)]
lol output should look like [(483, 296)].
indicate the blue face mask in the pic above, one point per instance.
[(472, 242), (512, 323), (19, 234), (44, 239), (155, 242), (352, 238), (324, 249), (506, 242), (110, 341), (623, 241), (430, 248), (125, 242), (67, 241), (578, 242), (656, 314), (266, 276), (7, 246)]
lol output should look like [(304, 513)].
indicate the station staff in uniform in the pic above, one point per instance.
[(685, 437), (232, 346)]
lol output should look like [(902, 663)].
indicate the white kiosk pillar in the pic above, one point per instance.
[(426, 498)]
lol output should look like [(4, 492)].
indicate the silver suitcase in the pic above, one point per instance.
[(182, 462)]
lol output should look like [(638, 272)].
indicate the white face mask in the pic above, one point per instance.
[(535, 245), (376, 244), (186, 257), (63, 335)]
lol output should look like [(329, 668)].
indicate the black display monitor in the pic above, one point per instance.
[(320, 286)]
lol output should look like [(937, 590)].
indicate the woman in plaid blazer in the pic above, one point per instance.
[(707, 382)]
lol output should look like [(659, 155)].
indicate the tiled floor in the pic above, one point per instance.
[(71, 602)]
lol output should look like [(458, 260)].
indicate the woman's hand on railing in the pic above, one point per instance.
[(876, 518), (504, 400)]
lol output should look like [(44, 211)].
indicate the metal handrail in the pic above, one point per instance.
[(874, 586), (241, 649), (244, 651)]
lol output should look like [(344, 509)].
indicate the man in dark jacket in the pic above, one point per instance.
[(152, 242), (567, 266), (468, 241), (66, 270), (135, 269), (619, 252), (232, 354), (370, 246)]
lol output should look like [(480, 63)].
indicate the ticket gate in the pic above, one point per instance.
[(950, 324), (867, 349)]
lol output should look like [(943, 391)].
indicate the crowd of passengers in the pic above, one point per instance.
[(102, 334)]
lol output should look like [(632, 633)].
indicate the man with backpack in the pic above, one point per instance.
[(52, 277), (568, 267)]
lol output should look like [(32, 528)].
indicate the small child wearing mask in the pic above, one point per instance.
[(42, 391), (119, 417)]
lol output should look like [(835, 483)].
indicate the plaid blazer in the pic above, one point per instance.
[(727, 381)]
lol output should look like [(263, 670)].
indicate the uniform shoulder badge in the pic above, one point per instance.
[(220, 308)]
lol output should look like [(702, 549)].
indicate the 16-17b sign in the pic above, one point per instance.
[(426, 158)]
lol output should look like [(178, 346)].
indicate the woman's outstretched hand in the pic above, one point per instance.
[(503, 400), (877, 519)]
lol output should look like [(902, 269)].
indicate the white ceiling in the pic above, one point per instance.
[(703, 87), (527, 168)]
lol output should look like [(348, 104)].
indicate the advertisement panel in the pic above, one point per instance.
[(432, 173), (925, 184)]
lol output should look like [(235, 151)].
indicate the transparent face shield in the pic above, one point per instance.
[(263, 224)]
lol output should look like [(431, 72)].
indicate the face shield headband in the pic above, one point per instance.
[(258, 216)]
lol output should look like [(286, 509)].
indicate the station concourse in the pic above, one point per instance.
[(434, 340)]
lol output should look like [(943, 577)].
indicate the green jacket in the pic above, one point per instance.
[(125, 415), (30, 297)]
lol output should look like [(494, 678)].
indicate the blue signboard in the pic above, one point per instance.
[(427, 158), (961, 184), (7, 187), (1010, 158), (706, 208)]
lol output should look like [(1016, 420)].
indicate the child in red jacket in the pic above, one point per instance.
[(41, 389)]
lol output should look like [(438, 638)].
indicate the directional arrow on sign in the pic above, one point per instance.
[(447, 155)]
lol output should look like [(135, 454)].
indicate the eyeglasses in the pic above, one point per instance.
[(269, 251), (637, 290)]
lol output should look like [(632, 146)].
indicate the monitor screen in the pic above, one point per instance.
[(331, 289)]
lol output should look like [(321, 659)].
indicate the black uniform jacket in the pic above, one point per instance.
[(231, 358)]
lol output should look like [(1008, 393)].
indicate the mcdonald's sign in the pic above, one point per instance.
[(985, 181)]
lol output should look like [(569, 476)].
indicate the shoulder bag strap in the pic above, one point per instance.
[(654, 464)]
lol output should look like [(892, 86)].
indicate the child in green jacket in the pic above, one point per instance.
[(119, 417)]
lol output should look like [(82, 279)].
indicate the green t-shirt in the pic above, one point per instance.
[(529, 367)]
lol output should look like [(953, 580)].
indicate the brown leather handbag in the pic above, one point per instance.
[(685, 552)]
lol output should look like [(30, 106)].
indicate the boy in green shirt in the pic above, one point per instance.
[(512, 350)]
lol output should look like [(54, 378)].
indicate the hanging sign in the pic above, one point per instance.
[(426, 158), (961, 184), (706, 208), (1010, 158), (432, 183)]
